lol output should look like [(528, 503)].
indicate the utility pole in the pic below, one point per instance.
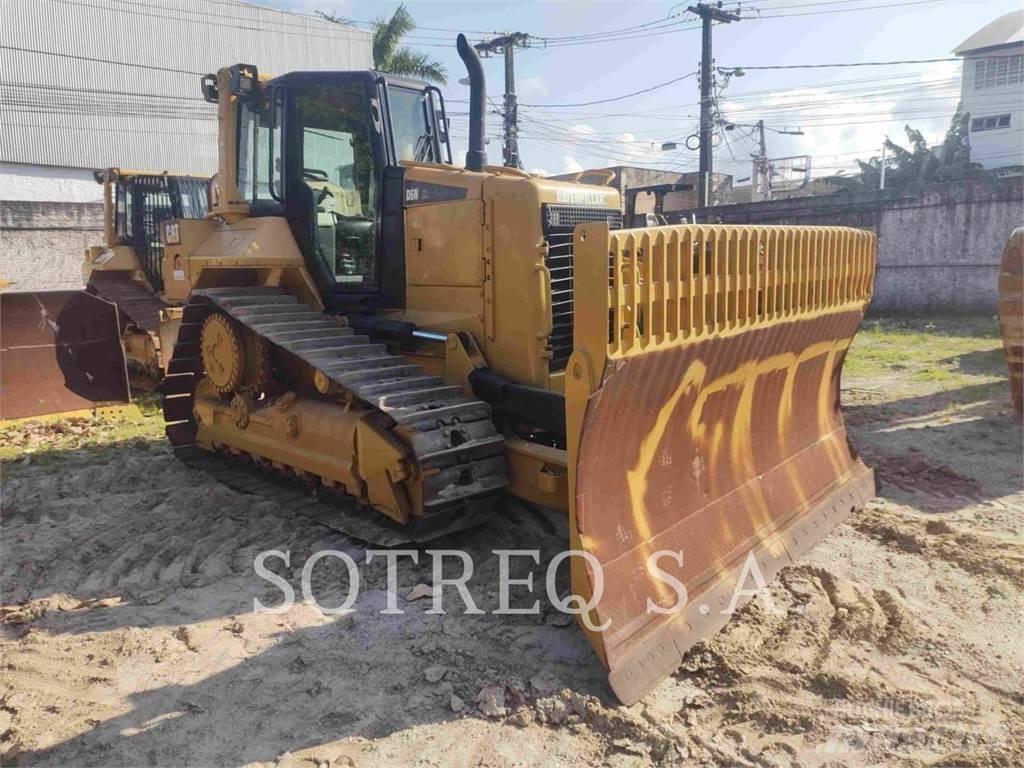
[(708, 14), (762, 173), (507, 45), (881, 179)]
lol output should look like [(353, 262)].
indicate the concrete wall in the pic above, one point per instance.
[(627, 177), (939, 247), (42, 244), (48, 183)]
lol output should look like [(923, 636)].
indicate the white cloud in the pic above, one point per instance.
[(841, 126), (539, 172), (530, 88), (603, 150), (571, 165)]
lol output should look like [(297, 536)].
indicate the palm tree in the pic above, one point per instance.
[(390, 56)]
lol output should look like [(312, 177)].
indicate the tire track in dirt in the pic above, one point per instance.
[(163, 536), (977, 552)]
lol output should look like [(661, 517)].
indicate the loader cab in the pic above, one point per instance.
[(324, 150)]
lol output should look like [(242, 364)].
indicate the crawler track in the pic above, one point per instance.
[(458, 453), (133, 300)]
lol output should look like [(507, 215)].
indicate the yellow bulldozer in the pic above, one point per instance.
[(126, 269), (363, 319), (66, 351)]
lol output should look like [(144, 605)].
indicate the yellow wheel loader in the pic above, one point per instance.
[(126, 269), (365, 318)]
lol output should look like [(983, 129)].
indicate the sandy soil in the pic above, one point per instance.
[(128, 637)]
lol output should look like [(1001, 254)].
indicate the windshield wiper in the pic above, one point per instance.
[(422, 148)]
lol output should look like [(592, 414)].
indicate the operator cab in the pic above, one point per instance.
[(324, 150), (141, 202)]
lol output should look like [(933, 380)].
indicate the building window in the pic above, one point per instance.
[(998, 71), (989, 123)]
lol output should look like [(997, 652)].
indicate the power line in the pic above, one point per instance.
[(94, 129), (752, 101), (170, 15), (101, 91), (624, 37), (845, 64), (786, 6), (832, 86), (845, 10), (656, 23), (617, 98), (100, 61)]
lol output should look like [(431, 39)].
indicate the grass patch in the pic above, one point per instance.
[(897, 356), (927, 354), (37, 438)]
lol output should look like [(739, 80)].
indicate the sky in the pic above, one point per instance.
[(591, 51)]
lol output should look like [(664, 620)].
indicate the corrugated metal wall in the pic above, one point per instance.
[(63, 103)]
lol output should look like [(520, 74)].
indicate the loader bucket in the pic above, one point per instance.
[(703, 418), (60, 351)]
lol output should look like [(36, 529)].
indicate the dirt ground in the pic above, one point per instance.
[(128, 635)]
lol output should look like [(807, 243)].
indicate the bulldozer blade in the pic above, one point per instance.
[(60, 351), (706, 445), (1011, 314)]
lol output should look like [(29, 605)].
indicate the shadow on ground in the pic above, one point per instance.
[(357, 676), (924, 448), (149, 565)]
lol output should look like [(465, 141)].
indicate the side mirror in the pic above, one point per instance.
[(244, 80), (209, 88)]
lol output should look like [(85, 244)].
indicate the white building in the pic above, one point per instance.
[(993, 91), (114, 83)]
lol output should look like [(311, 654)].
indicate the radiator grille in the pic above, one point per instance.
[(558, 224)]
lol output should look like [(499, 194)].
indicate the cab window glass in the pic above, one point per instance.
[(193, 198), (155, 208), (338, 169), (259, 151), (123, 213), (414, 139)]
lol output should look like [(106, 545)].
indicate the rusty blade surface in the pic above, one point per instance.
[(717, 448), (59, 351), (1011, 314)]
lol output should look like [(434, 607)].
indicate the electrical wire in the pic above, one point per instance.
[(100, 61), (845, 10), (618, 98), (844, 64), (212, 23)]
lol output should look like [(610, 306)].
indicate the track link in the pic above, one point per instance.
[(134, 301), (459, 454)]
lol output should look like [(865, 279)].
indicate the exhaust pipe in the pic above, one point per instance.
[(476, 155)]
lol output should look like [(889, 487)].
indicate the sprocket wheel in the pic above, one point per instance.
[(222, 353)]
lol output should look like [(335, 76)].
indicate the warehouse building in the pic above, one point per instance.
[(993, 85), (92, 84)]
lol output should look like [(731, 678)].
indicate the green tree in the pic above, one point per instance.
[(919, 163), (389, 55)]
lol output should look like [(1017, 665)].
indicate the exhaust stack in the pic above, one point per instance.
[(476, 155)]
